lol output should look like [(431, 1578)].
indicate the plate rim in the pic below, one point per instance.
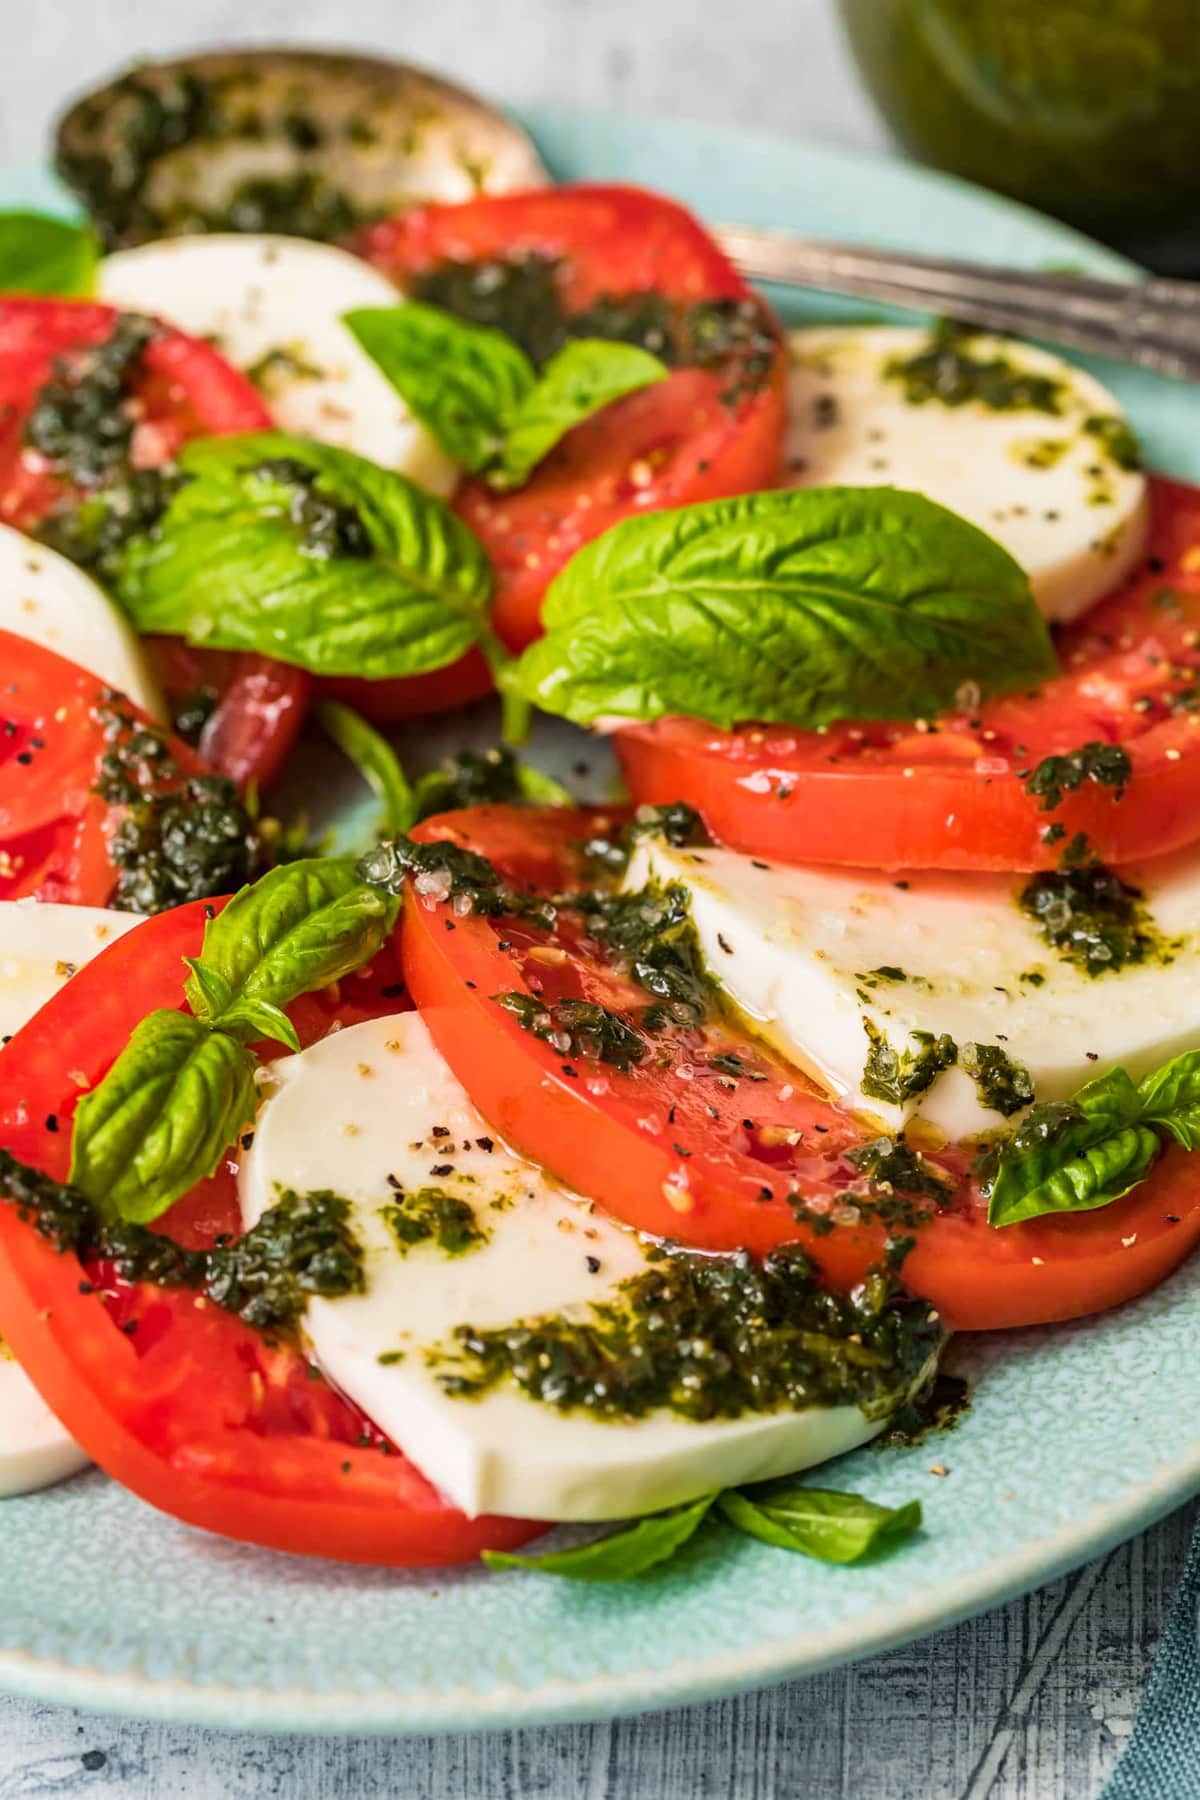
[(565, 1699)]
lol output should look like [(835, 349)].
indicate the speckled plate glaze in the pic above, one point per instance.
[(1078, 1436)]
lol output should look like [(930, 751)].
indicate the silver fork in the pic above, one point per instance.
[(1154, 322)]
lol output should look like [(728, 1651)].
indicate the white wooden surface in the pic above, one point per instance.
[(1029, 1703)]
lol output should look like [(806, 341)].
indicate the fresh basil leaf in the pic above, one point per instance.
[(463, 382), (40, 255), (378, 765), (163, 1116), (253, 1020), (619, 1555), (1170, 1097), (585, 376), (313, 555), (803, 606), (1089, 1165), (822, 1522), (208, 992), (480, 395), (540, 789), (1111, 1096), (297, 928)]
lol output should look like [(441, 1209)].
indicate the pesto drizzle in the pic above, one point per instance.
[(303, 1245), (946, 369), (577, 1028), (430, 1215), (899, 1075), (1105, 765), (82, 422), (178, 837), (1003, 1086), (707, 1337), (1092, 918)]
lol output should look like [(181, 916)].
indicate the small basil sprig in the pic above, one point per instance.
[(183, 1087), (1084, 1153), (40, 255), (313, 555), (481, 396), (803, 606), (825, 1523), (473, 778)]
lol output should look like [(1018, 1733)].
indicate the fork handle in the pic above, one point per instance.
[(1154, 323)]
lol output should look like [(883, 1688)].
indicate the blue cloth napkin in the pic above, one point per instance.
[(1162, 1759)]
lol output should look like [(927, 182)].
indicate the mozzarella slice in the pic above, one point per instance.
[(273, 306), (377, 1100), (41, 946), (35, 1451), (803, 955), (1039, 483), (45, 597)]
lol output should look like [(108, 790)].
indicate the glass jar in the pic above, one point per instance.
[(1089, 109)]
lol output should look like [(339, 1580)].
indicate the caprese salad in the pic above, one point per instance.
[(526, 1163)]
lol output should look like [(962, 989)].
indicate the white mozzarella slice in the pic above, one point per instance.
[(798, 951), (35, 1451), (273, 306), (377, 1100), (41, 947), (1039, 483), (45, 597)]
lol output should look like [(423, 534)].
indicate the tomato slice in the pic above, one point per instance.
[(183, 388), (243, 711), (54, 829), (680, 1147), (949, 795), (703, 432), (175, 1399)]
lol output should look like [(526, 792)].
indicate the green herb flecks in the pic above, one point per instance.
[(891, 1163), (445, 872), (577, 1028), (946, 369), (96, 530), (82, 421), (708, 1337), (1003, 1086), (1105, 765), (900, 1075), (432, 1216), (177, 838), (486, 778), (649, 936), (1092, 918), (1116, 438)]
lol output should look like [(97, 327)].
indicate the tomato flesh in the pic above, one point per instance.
[(257, 704), (687, 438), (951, 796), (677, 1148), (177, 1400)]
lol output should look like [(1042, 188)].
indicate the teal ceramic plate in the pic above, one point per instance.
[(1078, 1436)]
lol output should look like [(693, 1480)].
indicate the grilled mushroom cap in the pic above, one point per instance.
[(297, 141)]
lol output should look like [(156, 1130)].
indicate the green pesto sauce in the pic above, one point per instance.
[(678, 823), (430, 1215), (892, 1165), (1003, 1086), (938, 1407), (94, 531), (446, 872), (707, 1337), (81, 420), (282, 364), (176, 838), (301, 204), (522, 297), (326, 528), (1093, 919), (649, 936), (303, 1245), (472, 778), (1104, 765), (1117, 438), (899, 1075), (946, 369), (577, 1028)]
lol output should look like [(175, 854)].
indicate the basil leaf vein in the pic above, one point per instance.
[(163, 1116), (313, 555), (802, 607), (481, 396), (41, 255)]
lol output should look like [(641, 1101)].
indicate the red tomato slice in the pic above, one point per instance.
[(950, 796), (687, 438), (184, 389), (175, 1399), (677, 1147), (54, 829), (257, 704)]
